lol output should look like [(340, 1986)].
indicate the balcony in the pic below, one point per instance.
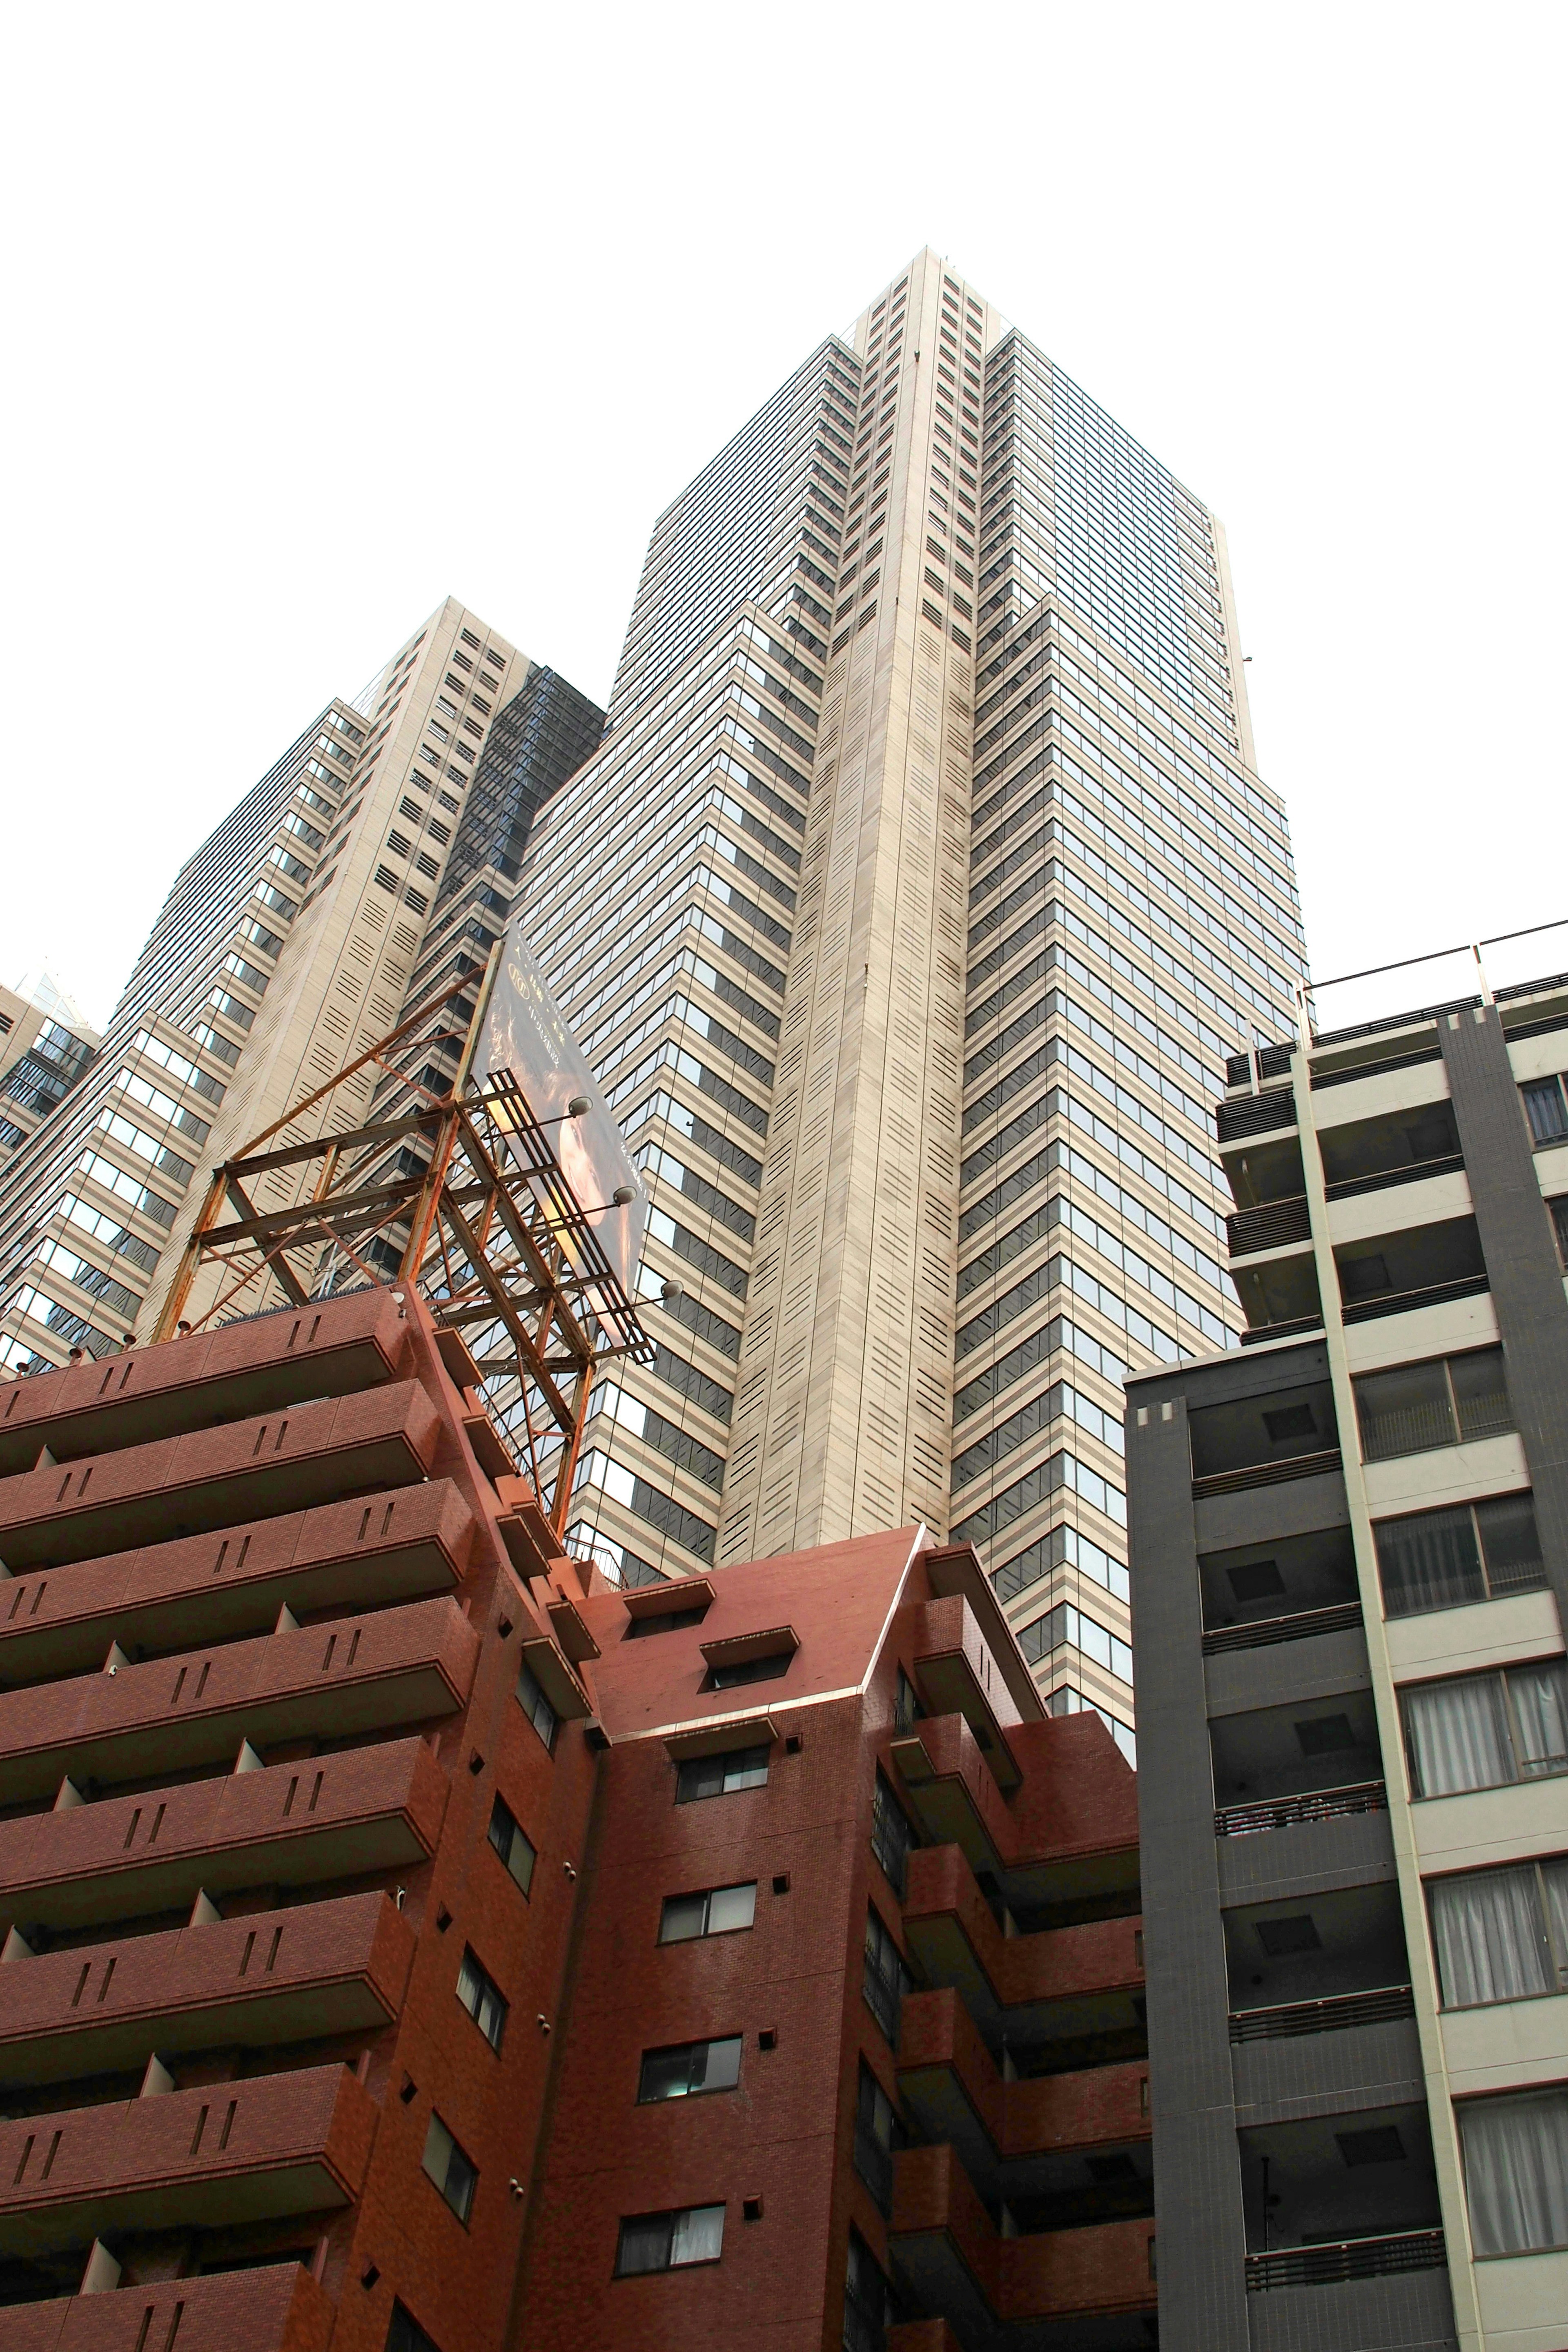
[(363, 1810), (957, 1676), (1396, 1274), (1286, 1590), (1395, 1146), (312, 1453), (278, 2309), (218, 1588), (338, 1681), (1263, 1440), (1333, 2198), (1343, 1617), (266, 1365), (943, 2239), (953, 1794), (267, 1978), (1010, 2134), (1055, 1995), (229, 2153)]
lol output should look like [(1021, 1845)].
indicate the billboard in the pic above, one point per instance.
[(524, 1032)]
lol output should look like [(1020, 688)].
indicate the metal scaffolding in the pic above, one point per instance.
[(497, 1244)]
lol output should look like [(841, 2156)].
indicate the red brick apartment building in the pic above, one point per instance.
[(406, 1947)]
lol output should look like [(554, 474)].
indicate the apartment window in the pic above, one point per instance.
[(876, 2134), (398, 845), (751, 1670), (405, 2335), (536, 1706), (1558, 1208), (723, 1775), (1516, 2172), (483, 1999), (1485, 1731), (686, 2069), (907, 1708), (1448, 1558), (453, 2172), (1417, 1407), (715, 1911), (411, 808), (515, 1849), (1545, 1108), (670, 1622), (1501, 1935), (892, 1836), (867, 2300), (886, 1979), (670, 2242)]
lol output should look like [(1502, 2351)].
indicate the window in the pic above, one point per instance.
[(1446, 1560), (892, 1836), (688, 2068), (1516, 2172), (867, 2300), (1558, 1208), (721, 1776), (515, 1849), (451, 2171), (670, 1622), (405, 2335), (877, 2134), (398, 845), (716, 1911), (751, 1670), (1545, 1109), (1485, 1731), (1419, 1406), (483, 2000), (887, 1979), (907, 1708), (670, 2242), (536, 1706), (1501, 1935)]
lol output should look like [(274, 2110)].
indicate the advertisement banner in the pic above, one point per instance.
[(523, 1033)]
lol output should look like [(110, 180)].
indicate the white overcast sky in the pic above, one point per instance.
[(319, 313)]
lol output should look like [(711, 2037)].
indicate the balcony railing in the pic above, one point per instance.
[(1291, 1329), (1265, 1473), (1351, 2258), (1342, 1618), (1450, 1164), (1376, 1069), (1340, 2010), (1255, 1114), (1406, 1302), (1273, 1225), (1288, 1813)]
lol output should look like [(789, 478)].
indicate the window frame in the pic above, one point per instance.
[(690, 1768), (501, 1809), (1522, 1776), (536, 1705), (705, 1894), (488, 1995), (674, 2216)]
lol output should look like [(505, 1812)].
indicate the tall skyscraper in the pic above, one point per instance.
[(909, 912), (387, 838), (46, 1043)]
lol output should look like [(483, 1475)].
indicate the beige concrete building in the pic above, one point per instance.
[(909, 912), (47, 1045), (285, 950)]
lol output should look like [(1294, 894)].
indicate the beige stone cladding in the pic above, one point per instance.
[(340, 981)]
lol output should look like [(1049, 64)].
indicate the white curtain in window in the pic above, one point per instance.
[(1491, 1943), (1458, 1735), (1516, 2168), (698, 2235), (1555, 1877), (1540, 1695)]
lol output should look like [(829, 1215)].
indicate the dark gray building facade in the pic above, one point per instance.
[(1348, 1549)]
